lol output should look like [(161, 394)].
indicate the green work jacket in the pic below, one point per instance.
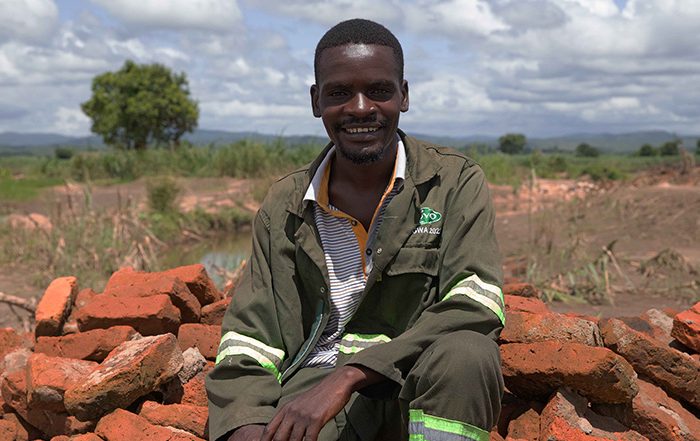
[(436, 270)]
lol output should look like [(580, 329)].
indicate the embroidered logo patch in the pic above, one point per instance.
[(429, 216)]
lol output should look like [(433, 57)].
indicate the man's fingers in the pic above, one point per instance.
[(271, 428), (298, 433)]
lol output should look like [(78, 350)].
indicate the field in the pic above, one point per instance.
[(612, 234)]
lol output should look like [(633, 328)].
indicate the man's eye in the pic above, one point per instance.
[(337, 93)]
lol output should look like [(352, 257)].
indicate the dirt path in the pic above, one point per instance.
[(656, 210)]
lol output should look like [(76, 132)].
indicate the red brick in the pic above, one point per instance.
[(525, 427), (81, 437), (676, 372), (523, 327), (192, 419), (686, 327), (195, 277), (198, 281), (49, 423), (655, 415), (132, 370), (121, 425), (195, 392), (495, 436), (55, 306), (652, 323), (49, 377), (180, 295), (525, 304), (535, 370), (213, 314), (203, 337), (148, 315), (9, 341), (521, 289), (568, 418), (89, 345)]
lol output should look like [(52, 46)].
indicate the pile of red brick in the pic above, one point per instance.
[(109, 366), (572, 378)]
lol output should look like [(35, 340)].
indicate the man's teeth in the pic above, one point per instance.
[(362, 130)]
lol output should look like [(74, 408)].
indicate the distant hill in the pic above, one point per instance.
[(12, 143)]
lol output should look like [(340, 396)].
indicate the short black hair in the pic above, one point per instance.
[(359, 31)]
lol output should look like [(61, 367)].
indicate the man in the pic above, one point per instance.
[(370, 306)]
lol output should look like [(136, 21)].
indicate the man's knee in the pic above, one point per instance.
[(466, 353)]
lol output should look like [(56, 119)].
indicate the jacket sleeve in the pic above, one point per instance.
[(244, 387), (469, 294)]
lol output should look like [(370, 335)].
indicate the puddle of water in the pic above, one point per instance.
[(216, 254)]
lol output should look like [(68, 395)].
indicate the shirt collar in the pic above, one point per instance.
[(318, 189)]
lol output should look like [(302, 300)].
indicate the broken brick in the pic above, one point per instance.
[(132, 370), (537, 369), (55, 306), (89, 345), (203, 337), (152, 315)]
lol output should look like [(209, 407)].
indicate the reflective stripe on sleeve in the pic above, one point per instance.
[(233, 343), (487, 294), (354, 343), (424, 427)]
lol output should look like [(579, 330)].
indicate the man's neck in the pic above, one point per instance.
[(363, 177), (357, 189)]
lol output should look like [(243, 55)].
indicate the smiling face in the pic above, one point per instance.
[(359, 97)]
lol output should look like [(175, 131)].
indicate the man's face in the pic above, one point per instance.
[(359, 96)]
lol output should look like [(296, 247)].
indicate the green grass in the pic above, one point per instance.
[(24, 189)]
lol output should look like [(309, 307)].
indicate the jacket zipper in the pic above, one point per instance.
[(310, 343)]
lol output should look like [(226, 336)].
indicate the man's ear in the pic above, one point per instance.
[(404, 96), (314, 101)]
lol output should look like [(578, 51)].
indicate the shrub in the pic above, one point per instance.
[(669, 148), (587, 151), (162, 193), (63, 153), (648, 150)]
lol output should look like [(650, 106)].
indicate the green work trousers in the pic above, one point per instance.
[(453, 393)]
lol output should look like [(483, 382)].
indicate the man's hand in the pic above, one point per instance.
[(252, 432), (304, 417)]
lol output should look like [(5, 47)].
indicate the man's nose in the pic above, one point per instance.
[(360, 105)]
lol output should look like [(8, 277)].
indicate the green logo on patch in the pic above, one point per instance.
[(429, 216)]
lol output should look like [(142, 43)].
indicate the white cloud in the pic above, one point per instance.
[(70, 121), (206, 15), (27, 20)]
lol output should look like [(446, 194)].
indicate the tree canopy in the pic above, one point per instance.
[(512, 143), (669, 148), (587, 150), (140, 104)]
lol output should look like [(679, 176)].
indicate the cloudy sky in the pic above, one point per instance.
[(542, 67)]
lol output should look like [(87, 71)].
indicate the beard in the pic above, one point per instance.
[(363, 156)]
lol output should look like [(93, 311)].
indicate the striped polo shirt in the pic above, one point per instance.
[(348, 249)]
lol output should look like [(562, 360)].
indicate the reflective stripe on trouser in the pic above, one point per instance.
[(487, 294), (454, 390), (423, 427), (233, 343), (456, 382)]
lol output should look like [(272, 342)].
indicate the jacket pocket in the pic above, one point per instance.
[(414, 260)]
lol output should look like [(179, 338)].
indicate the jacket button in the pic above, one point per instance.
[(368, 251), (379, 251), (323, 290)]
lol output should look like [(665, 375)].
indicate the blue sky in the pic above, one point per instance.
[(542, 67)]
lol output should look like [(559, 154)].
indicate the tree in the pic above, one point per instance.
[(512, 143), (586, 150), (697, 148), (669, 148), (648, 150), (139, 104)]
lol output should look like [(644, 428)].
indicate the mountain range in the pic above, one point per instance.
[(13, 143)]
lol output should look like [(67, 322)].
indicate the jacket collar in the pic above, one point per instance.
[(420, 168)]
